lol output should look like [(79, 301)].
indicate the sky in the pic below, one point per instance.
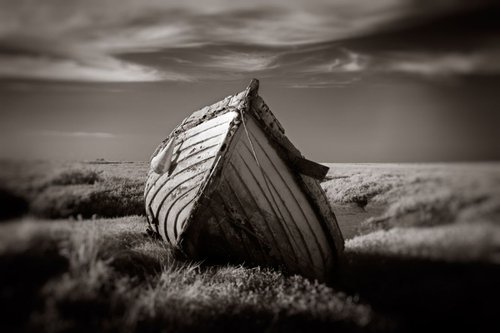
[(350, 80)]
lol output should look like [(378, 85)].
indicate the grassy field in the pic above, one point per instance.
[(422, 252), (430, 211)]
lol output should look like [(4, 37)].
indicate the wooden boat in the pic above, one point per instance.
[(228, 186)]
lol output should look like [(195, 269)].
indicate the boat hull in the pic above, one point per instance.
[(228, 186), (257, 212)]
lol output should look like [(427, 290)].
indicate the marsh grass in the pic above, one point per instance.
[(427, 259), (114, 278), (77, 190), (110, 197), (75, 177), (413, 195)]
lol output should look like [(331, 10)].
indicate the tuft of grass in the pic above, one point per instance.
[(112, 198), (75, 177), (246, 299)]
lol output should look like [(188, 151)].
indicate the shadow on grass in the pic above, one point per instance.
[(423, 295), (21, 277), (12, 205), (127, 261)]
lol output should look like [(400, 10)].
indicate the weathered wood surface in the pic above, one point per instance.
[(170, 196), (258, 213)]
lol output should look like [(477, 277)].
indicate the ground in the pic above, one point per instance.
[(422, 252)]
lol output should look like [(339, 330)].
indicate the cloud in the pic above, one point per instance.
[(322, 83), (347, 67), (45, 59), (116, 40), (435, 65), (103, 69), (118, 25), (95, 135), (341, 60), (241, 61)]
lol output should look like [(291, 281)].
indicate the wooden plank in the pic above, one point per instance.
[(261, 220), (311, 246), (303, 218), (186, 169), (249, 229), (308, 167), (218, 108), (184, 140), (188, 178), (214, 132), (296, 198), (311, 186), (322, 206), (204, 126), (191, 158), (271, 183), (152, 178), (254, 180), (183, 133), (191, 148), (168, 213), (238, 246), (197, 160), (171, 190)]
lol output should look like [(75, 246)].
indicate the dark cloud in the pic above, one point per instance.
[(291, 42)]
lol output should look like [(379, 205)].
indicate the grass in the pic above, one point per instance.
[(111, 197), (446, 212), (78, 190), (412, 195), (424, 254), (107, 275), (451, 243)]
